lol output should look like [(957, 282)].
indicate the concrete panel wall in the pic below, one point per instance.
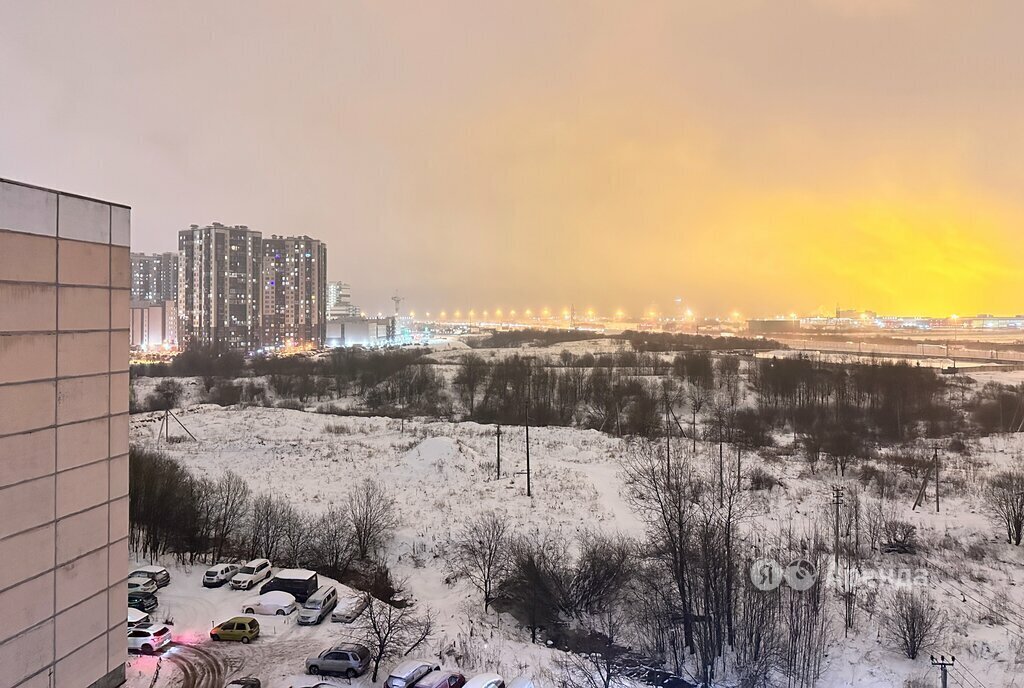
[(64, 278)]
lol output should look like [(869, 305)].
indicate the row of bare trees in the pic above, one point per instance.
[(173, 511)]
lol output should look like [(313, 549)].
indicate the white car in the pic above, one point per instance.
[(274, 602), (350, 606), (148, 637), (158, 574), (254, 572), (140, 584), (137, 617), (485, 681), (219, 574)]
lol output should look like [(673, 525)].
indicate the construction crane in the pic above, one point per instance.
[(392, 328)]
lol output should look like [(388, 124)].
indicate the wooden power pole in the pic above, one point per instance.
[(943, 667)]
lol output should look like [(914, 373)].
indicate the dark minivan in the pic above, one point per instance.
[(300, 583)]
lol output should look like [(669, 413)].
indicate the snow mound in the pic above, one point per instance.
[(436, 455)]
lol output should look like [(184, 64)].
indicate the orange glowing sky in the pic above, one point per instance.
[(768, 156)]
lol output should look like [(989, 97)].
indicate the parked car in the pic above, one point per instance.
[(141, 584), (485, 681), (159, 574), (409, 672), (241, 628), (521, 682), (350, 606), (442, 679), (252, 573), (245, 682), (346, 660), (143, 601), (274, 602), (318, 606), (148, 637), (137, 617), (299, 582), (219, 574)]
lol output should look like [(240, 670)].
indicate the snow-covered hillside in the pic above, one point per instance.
[(444, 473)]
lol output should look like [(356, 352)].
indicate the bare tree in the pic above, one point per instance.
[(596, 664), (296, 532), (334, 548), (603, 568), (266, 527), (372, 513), (231, 497), (530, 582), (912, 621), (471, 377), (1005, 496), (481, 553), (390, 632), (698, 393)]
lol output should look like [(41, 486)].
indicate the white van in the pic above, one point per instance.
[(318, 606)]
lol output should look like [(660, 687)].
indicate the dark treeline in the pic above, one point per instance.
[(196, 519), (889, 401), (668, 341), (832, 409), (513, 339)]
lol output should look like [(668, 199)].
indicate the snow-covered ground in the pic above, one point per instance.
[(440, 474), (443, 473)]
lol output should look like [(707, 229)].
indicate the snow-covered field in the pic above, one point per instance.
[(443, 473), (440, 473)]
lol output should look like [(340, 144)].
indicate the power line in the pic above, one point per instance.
[(968, 670)]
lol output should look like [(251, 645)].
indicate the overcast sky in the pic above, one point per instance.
[(766, 156)]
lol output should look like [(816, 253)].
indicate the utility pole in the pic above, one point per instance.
[(837, 501), (668, 439), (943, 667), (528, 391), (498, 436), (936, 480)]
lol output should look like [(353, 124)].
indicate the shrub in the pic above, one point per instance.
[(760, 479), (911, 621), (899, 537), (293, 404)]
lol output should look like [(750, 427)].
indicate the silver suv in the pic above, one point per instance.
[(347, 660)]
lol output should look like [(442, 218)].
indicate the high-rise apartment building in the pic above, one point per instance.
[(294, 291), (219, 290), (64, 292), (155, 277)]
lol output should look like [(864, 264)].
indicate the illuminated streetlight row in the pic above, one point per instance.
[(545, 313)]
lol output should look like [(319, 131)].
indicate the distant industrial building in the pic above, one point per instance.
[(154, 324), (339, 301), (155, 277), (776, 326), (294, 277), (219, 286), (368, 332)]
